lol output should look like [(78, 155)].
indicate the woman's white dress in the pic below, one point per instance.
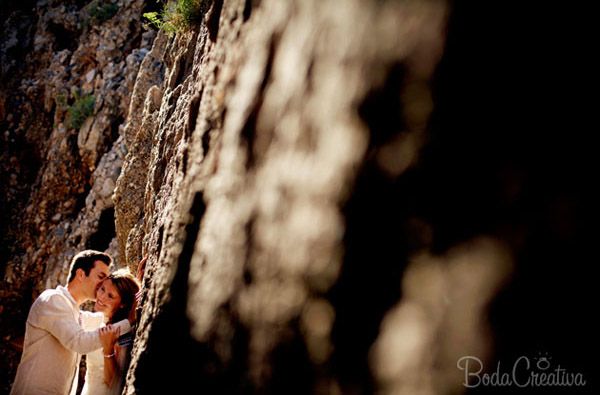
[(94, 374)]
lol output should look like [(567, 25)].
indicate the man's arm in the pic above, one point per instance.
[(123, 325), (92, 321), (55, 315)]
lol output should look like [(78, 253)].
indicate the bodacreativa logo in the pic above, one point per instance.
[(524, 372)]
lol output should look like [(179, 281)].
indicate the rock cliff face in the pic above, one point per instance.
[(67, 77), (311, 225), (244, 151)]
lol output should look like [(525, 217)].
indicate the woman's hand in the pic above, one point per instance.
[(133, 311), (108, 337), (140, 268), (138, 296)]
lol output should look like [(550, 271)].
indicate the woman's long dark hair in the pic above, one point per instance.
[(127, 286)]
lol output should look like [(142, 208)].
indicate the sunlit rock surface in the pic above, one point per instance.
[(241, 161)]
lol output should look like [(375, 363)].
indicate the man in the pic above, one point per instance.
[(54, 338)]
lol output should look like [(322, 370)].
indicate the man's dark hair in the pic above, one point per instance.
[(85, 261)]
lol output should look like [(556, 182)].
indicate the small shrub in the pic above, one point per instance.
[(81, 109), (189, 11), (158, 21), (177, 16)]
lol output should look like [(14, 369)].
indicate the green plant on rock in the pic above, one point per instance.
[(61, 100), (100, 11), (80, 110), (177, 16)]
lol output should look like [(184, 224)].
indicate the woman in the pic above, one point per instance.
[(115, 299)]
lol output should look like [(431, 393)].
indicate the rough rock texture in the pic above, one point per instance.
[(57, 181), (73, 180), (244, 156), (331, 194)]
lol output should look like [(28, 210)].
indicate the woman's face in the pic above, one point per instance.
[(108, 299)]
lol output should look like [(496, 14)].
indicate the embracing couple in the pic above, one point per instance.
[(57, 332)]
